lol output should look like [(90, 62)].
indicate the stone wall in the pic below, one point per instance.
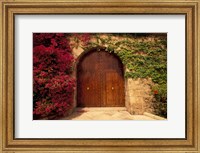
[(76, 52), (138, 97)]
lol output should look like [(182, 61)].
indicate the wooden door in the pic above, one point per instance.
[(100, 81)]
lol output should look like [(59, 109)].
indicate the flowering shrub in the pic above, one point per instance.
[(53, 87), (58, 40), (78, 39), (57, 96)]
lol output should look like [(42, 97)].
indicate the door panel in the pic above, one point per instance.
[(89, 82), (114, 90), (110, 89), (100, 81)]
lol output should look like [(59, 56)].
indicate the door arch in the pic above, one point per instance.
[(100, 80)]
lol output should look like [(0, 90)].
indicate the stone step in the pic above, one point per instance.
[(91, 109)]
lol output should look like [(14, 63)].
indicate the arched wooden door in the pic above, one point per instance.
[(100, 80)]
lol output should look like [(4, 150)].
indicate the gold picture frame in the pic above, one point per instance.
[(190, 8)]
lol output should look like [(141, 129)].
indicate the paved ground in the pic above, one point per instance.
[(117, 113)]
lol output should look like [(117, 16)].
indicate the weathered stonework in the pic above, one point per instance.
[(77, 51), (138, 96)]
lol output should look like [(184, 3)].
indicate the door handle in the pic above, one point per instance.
[(112, 88), (88, 88)]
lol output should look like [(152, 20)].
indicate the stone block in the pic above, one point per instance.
[(136, 109), (132, 99), (137, 82), (138, 106), (136, 93), (77, 51), (129, 80)]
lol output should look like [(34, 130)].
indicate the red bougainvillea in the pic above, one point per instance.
[(53, 87), (80, 38)]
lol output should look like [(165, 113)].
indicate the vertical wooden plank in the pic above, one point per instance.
[(113, 91), (108, 89), (89, 81)]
